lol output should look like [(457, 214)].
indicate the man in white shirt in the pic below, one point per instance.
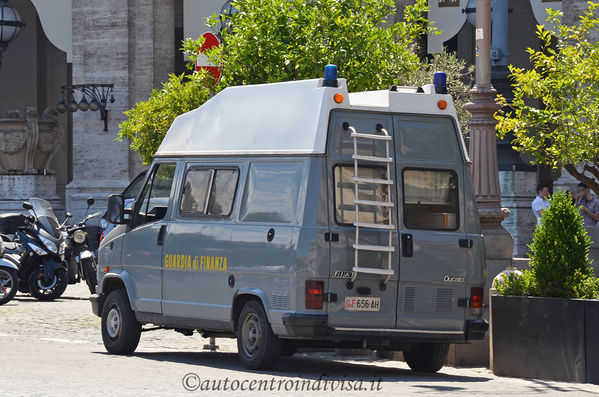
[(540, 203)]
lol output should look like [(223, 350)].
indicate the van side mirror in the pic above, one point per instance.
[(116, 209), (27, 205)]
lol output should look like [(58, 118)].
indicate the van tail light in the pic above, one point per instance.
[(476, 301), (314, 294)]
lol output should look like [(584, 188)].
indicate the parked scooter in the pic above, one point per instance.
[(42, 269), (10, 252), (8, 278), (80, 259)]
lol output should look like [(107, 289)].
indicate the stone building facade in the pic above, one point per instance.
[(133, 44)]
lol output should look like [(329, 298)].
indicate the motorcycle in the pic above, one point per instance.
[(8, 278), (42, 269), (9, 254), (80, 258)]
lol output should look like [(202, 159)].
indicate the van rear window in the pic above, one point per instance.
[(426, 138), (430, 199)]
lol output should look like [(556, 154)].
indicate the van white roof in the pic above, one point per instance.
[(281, 118)]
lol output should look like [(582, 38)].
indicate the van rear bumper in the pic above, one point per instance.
[(476, 329), (306, 325), (315, 326)]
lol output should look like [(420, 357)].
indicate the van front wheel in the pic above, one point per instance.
[(427, 357), (120, 329), (258, 346)]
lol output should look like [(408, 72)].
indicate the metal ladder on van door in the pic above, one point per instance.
[(387, 183)]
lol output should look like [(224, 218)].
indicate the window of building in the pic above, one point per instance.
[(209, 191), (430, 199), (345, 195)]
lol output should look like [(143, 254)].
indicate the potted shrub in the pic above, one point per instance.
[(545, 321)]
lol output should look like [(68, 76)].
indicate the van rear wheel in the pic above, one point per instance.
[(120, 329), (258, 346), (427, 357)]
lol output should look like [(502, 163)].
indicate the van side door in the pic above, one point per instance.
[(142, 244), (434, 254), (197, 250)]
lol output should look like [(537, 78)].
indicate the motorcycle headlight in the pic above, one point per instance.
[(79, 236), (49, 244), (37, 249)]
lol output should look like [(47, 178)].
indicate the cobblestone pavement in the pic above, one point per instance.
[(55, 349)]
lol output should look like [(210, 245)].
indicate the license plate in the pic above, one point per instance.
[(362, 304)]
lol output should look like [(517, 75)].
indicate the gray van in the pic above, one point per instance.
[(298, 215)]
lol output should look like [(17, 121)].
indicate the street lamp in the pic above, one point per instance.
[(99, 94), (483, 150), (10, 26)]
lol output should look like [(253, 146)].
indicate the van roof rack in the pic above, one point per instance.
[(404, 88)]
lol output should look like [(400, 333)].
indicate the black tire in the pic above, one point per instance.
[(44, 291), (8, 284), (427, 357), (90, 274), (120, 329), (288, 348), (258, 346)]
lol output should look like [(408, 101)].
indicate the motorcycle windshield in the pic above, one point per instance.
[(45, 216)]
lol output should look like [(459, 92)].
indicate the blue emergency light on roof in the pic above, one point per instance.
[(330, 76), (440, 82)]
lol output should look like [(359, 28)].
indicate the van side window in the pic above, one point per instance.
[(430, 199), (155, 195), (272, 192), (345, 194), (209, 191)]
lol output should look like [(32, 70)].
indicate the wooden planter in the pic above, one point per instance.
[(545, 338)]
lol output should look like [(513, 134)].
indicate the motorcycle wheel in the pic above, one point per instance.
[(48, 291), (90, 273), (8, 285)]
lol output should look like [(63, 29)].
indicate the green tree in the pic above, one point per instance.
[(559, 257), (564, 78), (148, 121), (280, 40), (460, 77)]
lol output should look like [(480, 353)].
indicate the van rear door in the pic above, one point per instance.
[(434, 251), (367, 302)]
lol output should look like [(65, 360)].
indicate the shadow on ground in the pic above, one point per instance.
[(305, 366)]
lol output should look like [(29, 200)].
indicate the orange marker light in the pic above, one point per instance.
[(338, 97), (442, 104), (106, 269)]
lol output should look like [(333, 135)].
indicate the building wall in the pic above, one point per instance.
[(131, 44)]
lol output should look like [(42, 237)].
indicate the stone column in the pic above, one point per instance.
[(483, 150), (129, 43)]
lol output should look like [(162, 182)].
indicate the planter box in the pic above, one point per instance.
[(545, 338)]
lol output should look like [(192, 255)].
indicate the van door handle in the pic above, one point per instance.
[(466, 243), (407, 245), (161, 234)]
